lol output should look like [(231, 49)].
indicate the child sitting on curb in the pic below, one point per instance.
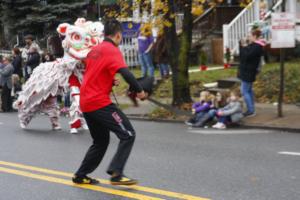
[(231, 113), (200, 108), (219, 101)]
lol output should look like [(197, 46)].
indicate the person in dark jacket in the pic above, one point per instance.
[(161, 56), (6, 83), (250, 58), (33, 60), (17, 62)]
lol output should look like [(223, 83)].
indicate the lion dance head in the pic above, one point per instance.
[(80, 37)]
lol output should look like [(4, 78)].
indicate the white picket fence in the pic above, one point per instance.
[(129, 48), (239, 27), (129, 45)]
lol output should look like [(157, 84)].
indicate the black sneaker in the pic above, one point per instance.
[(84, 180), (122, 180), (249, 114)]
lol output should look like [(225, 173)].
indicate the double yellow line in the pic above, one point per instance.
[(16, 171)]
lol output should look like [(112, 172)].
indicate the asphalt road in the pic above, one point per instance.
[(171, 161)]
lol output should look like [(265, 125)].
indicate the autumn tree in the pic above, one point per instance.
[(163, 16)]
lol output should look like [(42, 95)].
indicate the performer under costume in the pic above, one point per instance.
[(52, 78)]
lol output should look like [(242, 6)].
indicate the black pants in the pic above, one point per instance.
[(6, 99), (100, 123)]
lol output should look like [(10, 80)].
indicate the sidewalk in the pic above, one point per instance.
[(266, 116)]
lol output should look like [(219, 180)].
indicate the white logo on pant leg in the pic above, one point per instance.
[(119, 120)]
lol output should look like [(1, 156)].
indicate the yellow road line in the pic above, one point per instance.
[(69, 183), (140, 188)]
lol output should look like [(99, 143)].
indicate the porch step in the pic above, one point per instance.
[(216, 90), (228, 82)]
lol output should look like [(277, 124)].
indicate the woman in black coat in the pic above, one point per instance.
[(250, 60), (17, 62)]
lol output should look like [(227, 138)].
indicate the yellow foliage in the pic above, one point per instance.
[(197, 10), (167, 23), (146, 29)]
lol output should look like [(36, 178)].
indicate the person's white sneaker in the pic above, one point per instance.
[(73, 130), (23, 126), (216, 125), (56, 128), (221, 126), (188, 123), (85, 127)]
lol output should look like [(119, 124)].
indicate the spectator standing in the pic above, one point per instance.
[(161, 55), (6, 83), (263, 8), (1, 62), (47, 57), (30, 42), (17, 62), (145, 44), (250, 58), (1, 66), (33, 60), (16, 86)]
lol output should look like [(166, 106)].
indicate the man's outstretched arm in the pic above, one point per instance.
[(131, 80)]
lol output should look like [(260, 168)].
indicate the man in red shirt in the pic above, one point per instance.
[(101, 115)]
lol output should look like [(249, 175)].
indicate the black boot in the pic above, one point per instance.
[(202, 121)]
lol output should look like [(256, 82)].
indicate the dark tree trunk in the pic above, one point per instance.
[(2, 38), (179, 53)]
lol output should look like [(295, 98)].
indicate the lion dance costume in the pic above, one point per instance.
[(53, 78)]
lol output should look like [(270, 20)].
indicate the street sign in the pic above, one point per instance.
[(283, 30)]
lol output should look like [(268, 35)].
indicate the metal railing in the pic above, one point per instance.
[(266, 21), (204, 24), (5, 52), (238, 28)]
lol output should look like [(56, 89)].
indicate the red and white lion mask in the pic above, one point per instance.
[(80, 37)]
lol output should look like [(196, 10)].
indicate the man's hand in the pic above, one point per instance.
[(142, 95)]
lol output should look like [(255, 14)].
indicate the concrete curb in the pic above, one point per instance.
[(243, 125)]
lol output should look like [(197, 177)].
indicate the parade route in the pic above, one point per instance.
[(171, 161)]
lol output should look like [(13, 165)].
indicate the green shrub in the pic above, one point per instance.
[(267, 85)]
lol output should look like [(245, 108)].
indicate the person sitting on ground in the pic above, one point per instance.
[(219, 100), (200, 108), (231, 113)]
